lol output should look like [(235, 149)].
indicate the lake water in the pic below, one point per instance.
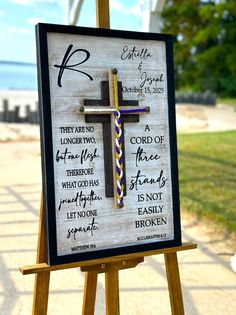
[(18, 76)]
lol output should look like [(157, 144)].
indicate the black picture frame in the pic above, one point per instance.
[(42, 31)]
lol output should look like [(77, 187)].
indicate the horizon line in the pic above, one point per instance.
[(17, 62)]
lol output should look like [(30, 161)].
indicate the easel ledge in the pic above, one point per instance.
[(43, 267)]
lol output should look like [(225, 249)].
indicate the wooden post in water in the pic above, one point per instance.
[(5, 110)]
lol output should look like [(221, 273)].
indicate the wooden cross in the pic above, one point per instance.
[(102, 111), (106, 124)]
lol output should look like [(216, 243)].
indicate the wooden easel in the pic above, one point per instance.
[(111, 265)]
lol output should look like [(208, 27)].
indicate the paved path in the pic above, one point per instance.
[(200, 118), (209, 285)]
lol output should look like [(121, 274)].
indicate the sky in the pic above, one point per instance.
[(19, 17)]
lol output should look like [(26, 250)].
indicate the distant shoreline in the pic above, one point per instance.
[(17, 63), (12, 90), (18, 92)]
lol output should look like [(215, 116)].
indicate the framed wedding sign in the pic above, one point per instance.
[(108, 138)]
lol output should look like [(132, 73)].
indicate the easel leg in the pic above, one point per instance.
[(90, 287), (175, 292), (41, 284), (102, 13), (112, 292), (41, 289), (111, 277)]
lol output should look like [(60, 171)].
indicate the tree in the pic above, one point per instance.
[(204, 44)]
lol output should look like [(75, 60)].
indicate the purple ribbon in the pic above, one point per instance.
[(135, 110)]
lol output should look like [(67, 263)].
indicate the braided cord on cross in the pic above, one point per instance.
[(115, 113)]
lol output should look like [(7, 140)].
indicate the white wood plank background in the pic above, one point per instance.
[(116, 227)]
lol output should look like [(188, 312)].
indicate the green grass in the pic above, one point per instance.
[(207, 173)]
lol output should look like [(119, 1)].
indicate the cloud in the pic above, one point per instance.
[(24, 31), (32, 2), (35, 20), (23, 2), (136, 10), (19, 31), (117, 5), (2, 13)]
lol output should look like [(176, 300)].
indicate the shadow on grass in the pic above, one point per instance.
[(202, 157)]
